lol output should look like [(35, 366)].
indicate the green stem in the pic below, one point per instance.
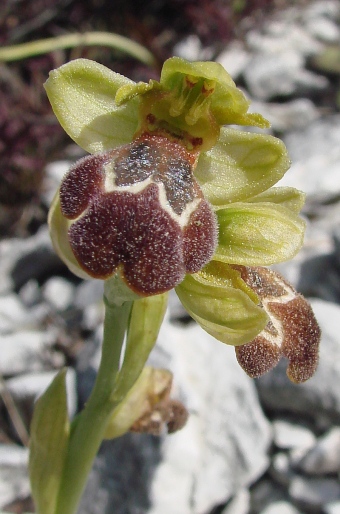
[(16, 52), (89, 428)]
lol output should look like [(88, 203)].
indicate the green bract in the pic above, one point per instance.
[(258, 224)]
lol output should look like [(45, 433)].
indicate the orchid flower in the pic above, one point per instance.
[(170, 197)]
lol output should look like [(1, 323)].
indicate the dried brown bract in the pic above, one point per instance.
[(159, 410)]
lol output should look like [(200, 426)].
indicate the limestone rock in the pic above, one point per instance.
[(314, 492), (289, 435), (23, 351), (324, 456), (283, 74), (280, 507), (13, 473)]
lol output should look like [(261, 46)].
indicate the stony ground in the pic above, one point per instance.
[(250, 447)]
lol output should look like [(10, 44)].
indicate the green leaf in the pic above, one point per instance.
[(225, 307), (288, 197), (240, 165), (48, 445), (42, 46), (82, 95), (258, 234)]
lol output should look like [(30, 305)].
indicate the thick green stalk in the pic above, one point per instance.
[(89, 427)]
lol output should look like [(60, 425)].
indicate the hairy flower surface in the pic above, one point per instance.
[(170, 197), (139, 209)]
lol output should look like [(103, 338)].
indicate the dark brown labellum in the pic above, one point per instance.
[(139, 210)]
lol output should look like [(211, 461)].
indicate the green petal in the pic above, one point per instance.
[(240, 165), (48, 445), (258, 234), (288, 197), (132, 89), (219, 300), (82, 95)]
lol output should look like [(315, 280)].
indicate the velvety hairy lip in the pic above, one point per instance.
[(142, 226)]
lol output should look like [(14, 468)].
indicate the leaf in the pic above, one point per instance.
[(258, 234), (48, 446), (222, 304), (82, 95), (241, 165)]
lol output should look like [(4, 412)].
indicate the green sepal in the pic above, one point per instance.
[(220, 301), (240, 165), (288, 197), (145, 322), (58, 227), (82, 94), (145, 392), (48, 445), (258, 234)]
